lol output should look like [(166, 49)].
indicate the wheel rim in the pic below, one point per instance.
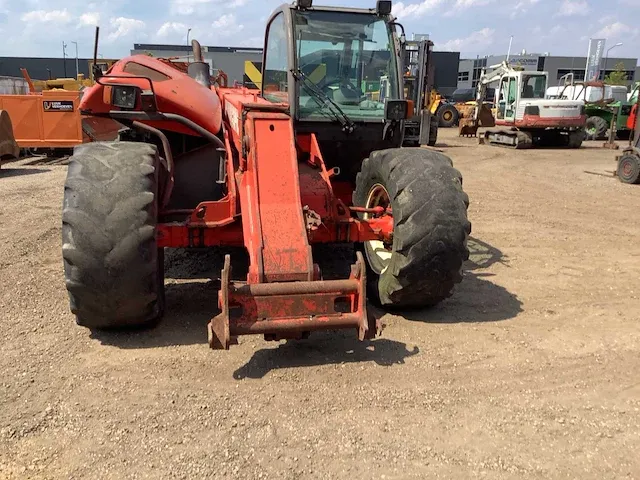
[(447, 116), (627, 168), (378, 253)]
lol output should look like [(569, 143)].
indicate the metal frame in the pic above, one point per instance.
[(289, 199)]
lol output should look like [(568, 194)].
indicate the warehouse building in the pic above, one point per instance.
[(232, 61), (470, 70), (43, 68), (228, 59)]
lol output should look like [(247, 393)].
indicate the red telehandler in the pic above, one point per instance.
[(304, 161)]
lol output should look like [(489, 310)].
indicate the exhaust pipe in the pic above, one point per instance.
[(199, 70)]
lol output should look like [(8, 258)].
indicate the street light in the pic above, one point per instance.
[(64, 58), (77, 65), (188, 32), (606, 58)]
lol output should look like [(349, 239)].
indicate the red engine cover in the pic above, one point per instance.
[(175, 91)]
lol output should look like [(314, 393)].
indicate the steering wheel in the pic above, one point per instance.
[(342, 83)]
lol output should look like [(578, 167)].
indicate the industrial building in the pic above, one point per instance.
[(229, 59), (232, 61), (44, 68), (470, 70)]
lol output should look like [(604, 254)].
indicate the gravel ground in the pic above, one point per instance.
[(530, 370)]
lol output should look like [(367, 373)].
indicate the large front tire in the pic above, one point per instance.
[(431, 228), (447, 115), (113, 269)]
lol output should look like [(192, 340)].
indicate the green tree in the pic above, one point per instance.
[(618, 76)]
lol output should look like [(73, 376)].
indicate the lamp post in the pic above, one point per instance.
[(606, 59), (64, 58), (188, 32), (77, 64)]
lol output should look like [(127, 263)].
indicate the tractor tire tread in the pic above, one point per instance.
[(430, 225), (113, 269)]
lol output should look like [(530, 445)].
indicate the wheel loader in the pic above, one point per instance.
[(275, 172)]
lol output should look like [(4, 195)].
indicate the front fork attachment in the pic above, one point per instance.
[(291, 310)]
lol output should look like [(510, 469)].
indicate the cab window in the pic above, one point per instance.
[(274, 75)]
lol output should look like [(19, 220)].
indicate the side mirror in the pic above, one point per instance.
[(396, 110)]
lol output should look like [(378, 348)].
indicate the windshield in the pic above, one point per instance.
[(533, 86), (350, 58)]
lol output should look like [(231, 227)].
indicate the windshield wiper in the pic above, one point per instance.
[(319, 96)]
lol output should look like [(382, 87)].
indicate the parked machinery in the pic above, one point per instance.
[(604, 104), (9, 149), (526, 117), (275, 172), (628, 170), (422, 127)]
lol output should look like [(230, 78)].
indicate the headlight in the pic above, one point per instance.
[(124, 97)]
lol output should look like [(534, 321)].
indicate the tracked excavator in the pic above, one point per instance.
[(524, 117)]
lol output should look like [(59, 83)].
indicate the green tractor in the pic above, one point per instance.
[(599, 116), (602, 102)]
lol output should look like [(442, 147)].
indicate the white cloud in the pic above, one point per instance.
[(186, 7), (226, 25), (43, 16), (570, 8), (522, 7), (462, 6), (123, 27), (90, 19), (401, 10), (170, 28), (474, 42), (613, 30)]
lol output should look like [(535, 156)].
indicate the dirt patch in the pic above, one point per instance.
[(530, 370)]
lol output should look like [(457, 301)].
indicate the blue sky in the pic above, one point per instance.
[(473, 27)]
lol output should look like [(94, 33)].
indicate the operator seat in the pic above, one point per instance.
[(528, 92)]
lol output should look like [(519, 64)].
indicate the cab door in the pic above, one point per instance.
[(511, 99)]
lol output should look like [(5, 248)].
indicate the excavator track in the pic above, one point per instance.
[(509, 138)]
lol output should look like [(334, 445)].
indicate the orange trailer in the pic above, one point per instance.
[(52, 120), (47, 120)]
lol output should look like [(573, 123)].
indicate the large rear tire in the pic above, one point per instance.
[(113, 269), (596, 128), (431, 228), (448, 115)]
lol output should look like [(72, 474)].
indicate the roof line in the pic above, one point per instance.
[(187, 48)]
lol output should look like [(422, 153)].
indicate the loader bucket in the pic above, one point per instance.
[(8, 146), (467, 127)]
